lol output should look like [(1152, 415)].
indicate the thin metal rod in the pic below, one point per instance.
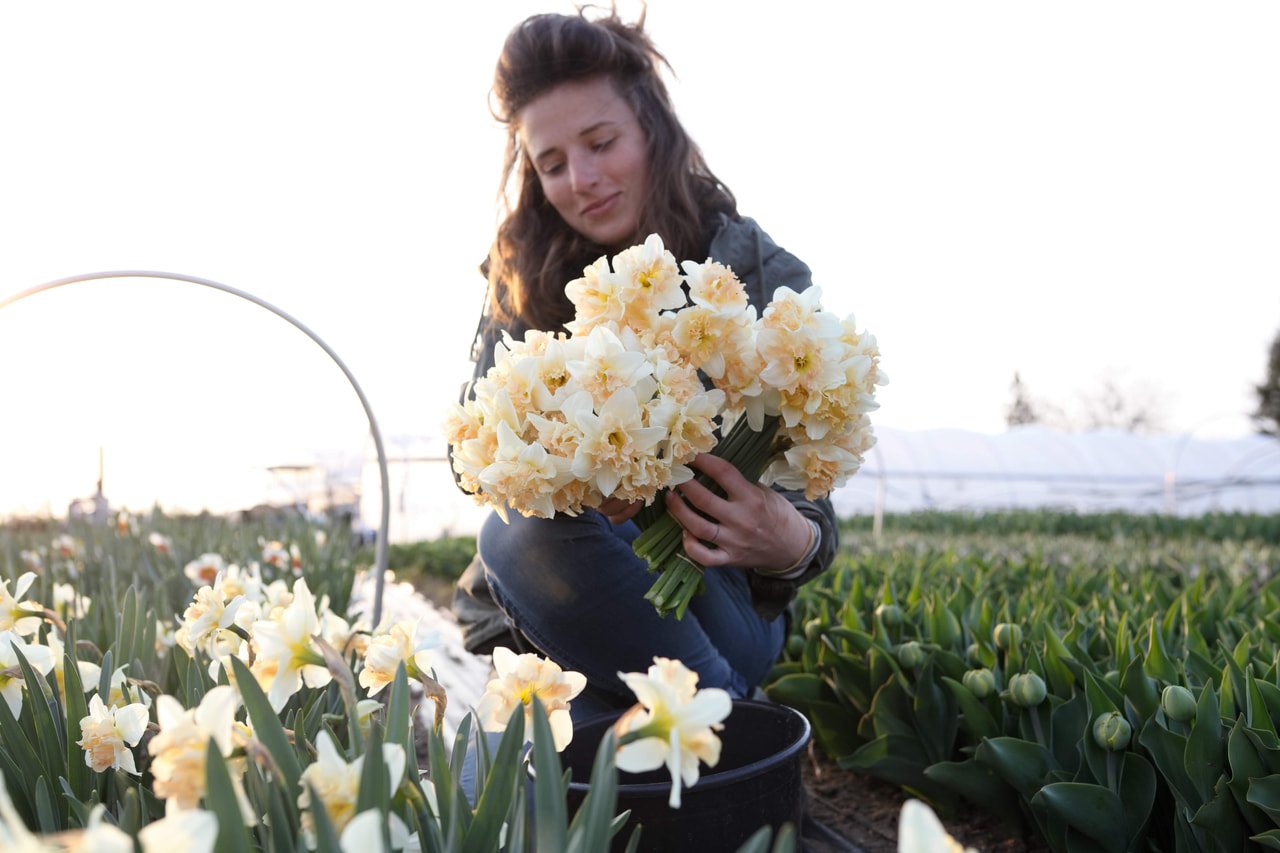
[(384, 526)]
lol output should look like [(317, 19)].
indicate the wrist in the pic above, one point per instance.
[(801, 563)]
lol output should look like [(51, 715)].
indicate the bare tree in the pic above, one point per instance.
[(1267, 416), (1132, 408), (1020, 410)]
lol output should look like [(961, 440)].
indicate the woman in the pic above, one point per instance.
[(596, 160)]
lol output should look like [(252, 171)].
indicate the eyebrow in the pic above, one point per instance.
[(586, 131)]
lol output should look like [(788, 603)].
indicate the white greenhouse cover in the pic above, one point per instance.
[(1027, 467)]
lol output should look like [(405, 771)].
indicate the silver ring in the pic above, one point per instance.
[(716, 535)]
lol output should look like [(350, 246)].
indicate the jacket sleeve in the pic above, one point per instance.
[(762, 267)]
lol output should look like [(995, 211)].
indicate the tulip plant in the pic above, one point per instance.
[(1108, 695)]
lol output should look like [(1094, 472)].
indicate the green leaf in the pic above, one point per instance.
[(981, 785), (399, 728), (326, 836), (220, 798), (835, 728), (49, 736), (975, 718), (1264, 793), (592, 826), (79, 776), (1168, 750), (375, 787), (797, 691), (1205, 758), (550, 822), (266, 725), (505, 775), (1092, 810), (1022, 764), (1158, 665)]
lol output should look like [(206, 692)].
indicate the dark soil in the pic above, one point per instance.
[(864, 811)]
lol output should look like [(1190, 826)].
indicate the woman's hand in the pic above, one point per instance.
[(618, 510), (752, 526)]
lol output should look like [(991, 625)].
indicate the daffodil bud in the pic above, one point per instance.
[(910, 655), (980, 682), (1178, 703), (890, 615), (1027, 689), (1007, 636), (1111, 731)]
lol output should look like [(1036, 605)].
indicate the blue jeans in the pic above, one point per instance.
[(574, 587)]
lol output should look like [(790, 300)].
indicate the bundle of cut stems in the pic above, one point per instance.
[(660, 543)]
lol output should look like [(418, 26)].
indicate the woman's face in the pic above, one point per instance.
[(589, 154)]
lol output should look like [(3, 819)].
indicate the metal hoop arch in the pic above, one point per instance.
[(380, 547)]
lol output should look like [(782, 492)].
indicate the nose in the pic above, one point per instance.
[(583, 173)]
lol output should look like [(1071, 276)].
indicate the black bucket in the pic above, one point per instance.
[(756, 782)]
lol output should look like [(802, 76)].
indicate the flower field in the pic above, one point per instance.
[(1103, 682)]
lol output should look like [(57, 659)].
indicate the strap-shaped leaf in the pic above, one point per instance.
[(981, 785), (550, 820), (266, 725), (220, 798)]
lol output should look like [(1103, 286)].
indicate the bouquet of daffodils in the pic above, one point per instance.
[(617, 407)]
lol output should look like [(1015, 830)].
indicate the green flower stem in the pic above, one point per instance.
[(1112, 782), (1035, 724), (661, 542)]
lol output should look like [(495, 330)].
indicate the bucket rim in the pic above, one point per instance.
[(713, 779)]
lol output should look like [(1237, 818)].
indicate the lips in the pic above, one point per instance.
[(600, 207)]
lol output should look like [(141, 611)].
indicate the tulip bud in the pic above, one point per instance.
[(1178, 703), (795, 645), (980, 682), (910, 655), (813, 628), (1027, 689), (890, 615), (1111, 731), (973, 654), (1112, 677), (1007, 636)]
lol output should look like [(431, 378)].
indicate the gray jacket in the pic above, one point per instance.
[(762, 267)]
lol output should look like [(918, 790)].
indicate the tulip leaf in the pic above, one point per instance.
[(981, 785), (899, 759), (1264, 792), (1257, 712), (835, 728), (797, 691), (1092, 810), (1023, 764), (1140, 690), (1157, 664), (1220, 817), (1068, 726), (1137, 792), (1269, 839), (935, 716), (1205, 758), (1168, 750), (975, 718)]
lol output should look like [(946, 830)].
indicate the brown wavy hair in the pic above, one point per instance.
[(535, 253)]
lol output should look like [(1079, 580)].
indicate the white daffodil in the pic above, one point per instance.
[(520, 678), (614, 441), (388, 648), (163, 544), (190, 831), (286, 645), (526, 475), (32, 560), (920, 831), (675, 726), (209, 613), (607, 365), (16, 614), (179, 750), (337, 783), (40, 658), (651, 282), (597, 298), (107, 733), (67, 603), (204, 570), (67, 546), (14, 835)]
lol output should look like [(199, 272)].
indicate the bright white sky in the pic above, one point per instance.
[(1076, 191)]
